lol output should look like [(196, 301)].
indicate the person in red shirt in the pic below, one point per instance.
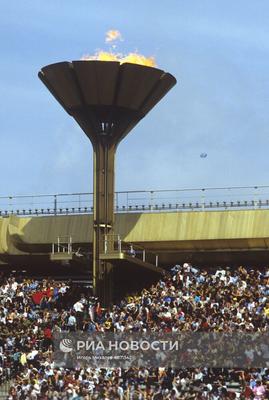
[(47, 337)]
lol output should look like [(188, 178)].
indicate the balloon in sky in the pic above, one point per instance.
[(203, 155)]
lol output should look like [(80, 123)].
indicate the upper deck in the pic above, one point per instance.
[(227, 225)]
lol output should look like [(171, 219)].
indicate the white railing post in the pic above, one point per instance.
[(255, 197), (203, 199), (144, 255), (105, 244), (70, 245), (117, 200), (55, 204), (119, 243), (157, 260), (151, 200)]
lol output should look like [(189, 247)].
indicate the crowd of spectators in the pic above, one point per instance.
[(185, 299)]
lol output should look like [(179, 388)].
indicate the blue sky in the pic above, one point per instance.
[(219, 53)]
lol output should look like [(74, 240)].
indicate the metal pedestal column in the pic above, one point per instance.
[(104, 156)]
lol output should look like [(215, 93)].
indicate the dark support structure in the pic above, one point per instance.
[(107, 99)]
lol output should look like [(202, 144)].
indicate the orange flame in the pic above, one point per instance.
[(133, 57)]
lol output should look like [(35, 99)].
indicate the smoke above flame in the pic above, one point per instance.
[(111, 55), (113, 35)]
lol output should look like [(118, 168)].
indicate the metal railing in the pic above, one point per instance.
[(63, 245), (199, 199), (112, 243)]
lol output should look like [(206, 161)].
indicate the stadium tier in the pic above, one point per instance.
[(206, 237), (186, 300)]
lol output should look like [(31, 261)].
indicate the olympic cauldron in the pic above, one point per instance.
[(107, 99)]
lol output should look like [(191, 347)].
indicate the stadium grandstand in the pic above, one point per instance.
[(191, 238)]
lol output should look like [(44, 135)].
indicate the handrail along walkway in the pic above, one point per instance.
[(190, 199)]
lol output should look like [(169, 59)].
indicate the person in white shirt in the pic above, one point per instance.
[(71, 323), (79, 308)]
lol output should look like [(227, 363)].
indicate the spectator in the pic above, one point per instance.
[(188, 299)]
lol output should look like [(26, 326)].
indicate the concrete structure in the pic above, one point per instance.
[(207, 238)]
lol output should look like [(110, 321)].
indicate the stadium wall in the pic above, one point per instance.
[(247, 229)]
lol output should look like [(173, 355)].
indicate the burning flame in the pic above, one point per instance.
[(113, 35), (133, 57)]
